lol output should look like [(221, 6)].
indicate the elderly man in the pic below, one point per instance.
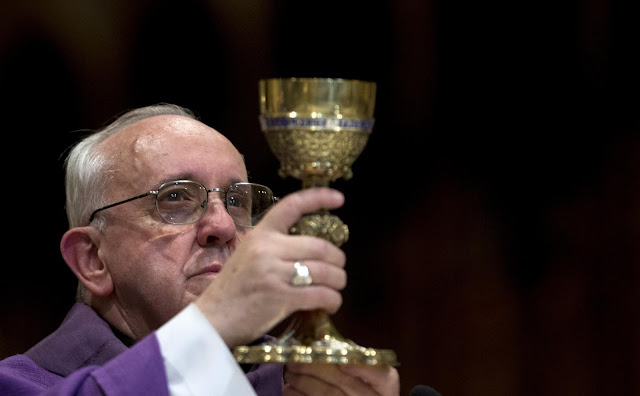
[(174, 271)]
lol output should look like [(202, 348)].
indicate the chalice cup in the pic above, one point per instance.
[(316, 127)]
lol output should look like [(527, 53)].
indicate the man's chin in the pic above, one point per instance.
[(197, 284)]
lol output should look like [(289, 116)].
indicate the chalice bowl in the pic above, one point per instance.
[(316, 127)]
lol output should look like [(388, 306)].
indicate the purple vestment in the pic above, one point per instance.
[(83, 356)]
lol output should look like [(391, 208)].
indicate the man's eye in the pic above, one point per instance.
[(175, 195), (238, 201)]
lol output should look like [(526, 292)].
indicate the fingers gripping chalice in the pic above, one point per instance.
[(316, 127)]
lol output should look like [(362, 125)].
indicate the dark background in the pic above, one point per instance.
[(494, 214)]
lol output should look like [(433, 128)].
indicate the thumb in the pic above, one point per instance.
[(289, 209)]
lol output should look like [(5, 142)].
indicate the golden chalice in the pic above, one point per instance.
[(316, 127)]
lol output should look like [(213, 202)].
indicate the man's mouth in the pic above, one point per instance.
[(212, 269)]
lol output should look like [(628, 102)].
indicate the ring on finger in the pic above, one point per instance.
[(301, 275)]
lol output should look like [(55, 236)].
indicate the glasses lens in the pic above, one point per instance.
[(181, 202), (247, 203)]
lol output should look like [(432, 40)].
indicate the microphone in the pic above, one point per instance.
[(423, 390)]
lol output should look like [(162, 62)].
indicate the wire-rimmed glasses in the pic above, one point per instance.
[(186, 201)]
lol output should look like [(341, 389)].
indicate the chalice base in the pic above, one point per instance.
[(312, 338)]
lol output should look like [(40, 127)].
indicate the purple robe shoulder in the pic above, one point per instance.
[(84, 357)]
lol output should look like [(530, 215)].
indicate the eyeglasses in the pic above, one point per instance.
[(186, 201)]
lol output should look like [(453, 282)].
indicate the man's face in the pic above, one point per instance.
[(158, 268)]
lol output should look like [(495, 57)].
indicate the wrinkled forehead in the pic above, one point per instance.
[(163, 148)]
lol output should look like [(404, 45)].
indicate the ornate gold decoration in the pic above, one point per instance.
[(326, 226)]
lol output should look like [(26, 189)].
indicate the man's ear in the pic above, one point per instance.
[(79, 248)]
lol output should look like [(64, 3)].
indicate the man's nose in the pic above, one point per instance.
[(216, 225)]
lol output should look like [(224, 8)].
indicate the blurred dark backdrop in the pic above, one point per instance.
[(494, 214)]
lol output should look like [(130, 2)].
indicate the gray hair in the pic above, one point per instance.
[(88, 168)]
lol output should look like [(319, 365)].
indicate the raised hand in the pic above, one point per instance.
[(253, 292)]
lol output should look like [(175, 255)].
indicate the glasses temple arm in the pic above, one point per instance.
[(119, 203)]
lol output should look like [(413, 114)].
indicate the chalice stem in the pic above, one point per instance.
[(314, 327), (317, 180), (308, 327)]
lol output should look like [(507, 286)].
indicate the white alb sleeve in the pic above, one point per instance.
[(196, 359)]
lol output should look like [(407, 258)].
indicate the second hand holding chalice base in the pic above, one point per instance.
[(316, 128)]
